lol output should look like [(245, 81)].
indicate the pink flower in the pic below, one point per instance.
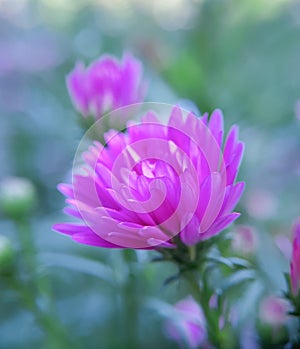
[(244, 241), (283, 242), (261, 204), (156, 183), (273, 311), (106, 85), (189, 326), (295, 263)]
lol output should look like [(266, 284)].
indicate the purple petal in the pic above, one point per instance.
[(219, 225), (216, 125)]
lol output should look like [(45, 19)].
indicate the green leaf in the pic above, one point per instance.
[(164, 309), (79, 264), (171, 279), (239, 278), (232, 262)]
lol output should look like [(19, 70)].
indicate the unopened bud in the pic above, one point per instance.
[(17, 197)]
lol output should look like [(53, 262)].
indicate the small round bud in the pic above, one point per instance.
[(17, 197), (6, 254)]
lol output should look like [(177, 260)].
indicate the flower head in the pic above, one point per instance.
[(295, 263), (105, 85), (189, 326), (156, 183)]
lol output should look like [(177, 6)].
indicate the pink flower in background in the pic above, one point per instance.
[(105, 85), (273, 311), (189, 326), (261, 204), (284, 244), (155, 182), (244, 240), (295, 263)]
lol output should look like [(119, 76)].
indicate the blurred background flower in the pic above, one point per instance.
[(244, 239), (106, 85), (273, 311), (187, 324)]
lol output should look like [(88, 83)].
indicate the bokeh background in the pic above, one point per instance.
[(240, 56)]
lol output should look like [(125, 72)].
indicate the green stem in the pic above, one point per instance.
[(34, 286), (131, 302), (218, 338), (192, 252), (211, 318)]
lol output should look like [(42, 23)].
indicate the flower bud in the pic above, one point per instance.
[(17, 197)]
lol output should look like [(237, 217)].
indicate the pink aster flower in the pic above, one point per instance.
[(295, 263), (156, 183), (189, 326), (105, 85)]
